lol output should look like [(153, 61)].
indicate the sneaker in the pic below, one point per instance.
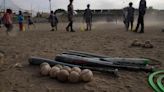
[(52, 30), (67, 29), (141, 32), (134, 30), (72, 30), (162, 30)]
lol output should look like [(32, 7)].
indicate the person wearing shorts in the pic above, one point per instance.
[(7, 20), (20, 21), (88, 18), (69, 27), (30, 22), (130, 16)]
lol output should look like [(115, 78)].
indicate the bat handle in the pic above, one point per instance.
[(115, 72)]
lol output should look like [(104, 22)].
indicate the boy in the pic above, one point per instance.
[(0, 21), (51, 20), (30, 22), (7, 20), (130, 16), (88, 18), (20, 21), (55, 21), (70, 17), (125, 13), (142, 11)]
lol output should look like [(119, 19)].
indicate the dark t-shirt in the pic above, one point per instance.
[(88, 14), (30, 21), (130, 14), (0, 20), (142, 7), (51, 18), (70, 12)]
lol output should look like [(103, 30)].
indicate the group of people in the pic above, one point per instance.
[(53, 20), (87, 17), (7, 20), (21, 19), (128, 18), (128, 13)]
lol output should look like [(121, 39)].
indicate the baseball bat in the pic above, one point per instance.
[(84, 54), (118, 61), (38, 61), (94, 62)]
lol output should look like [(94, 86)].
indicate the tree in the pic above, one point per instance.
[(151, 8), (60, 11)]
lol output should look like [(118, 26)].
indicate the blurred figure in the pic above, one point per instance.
[(142, 11), (30, 22), (51, 20), (130, 16), (70, 17), (55, 21), (125, 13), (88, 18), (0, 21), (20, 21), (7, 20)]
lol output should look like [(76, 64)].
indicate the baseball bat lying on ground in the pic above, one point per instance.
[(96, 62), (84, 54), (38, 61), (116, 61)]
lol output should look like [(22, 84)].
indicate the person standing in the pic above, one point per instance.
[(142, 11), (7, 20), (30, 22), (125, 14), (88, 18), (20, 21), (51, 20), (70, 17), (130, 16), (55, 21), (0, 21)]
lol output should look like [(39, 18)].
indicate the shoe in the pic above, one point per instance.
[(162, 30), (52, 30), (141, 32), (72, 30), (67, 29), (134, 30)]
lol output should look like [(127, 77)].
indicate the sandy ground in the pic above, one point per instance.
[(106, 38)]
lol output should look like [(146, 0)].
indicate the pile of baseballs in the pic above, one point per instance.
[(136, 43), (146, 44), (66, 74)]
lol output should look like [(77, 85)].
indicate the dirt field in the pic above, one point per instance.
[(106, 38)]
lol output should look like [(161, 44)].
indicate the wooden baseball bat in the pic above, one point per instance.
[(38, 61), (94, 62)]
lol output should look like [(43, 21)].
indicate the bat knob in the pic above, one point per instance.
[(116, 72)]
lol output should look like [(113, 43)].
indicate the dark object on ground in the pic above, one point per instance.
[(84, 54), (94, 62), (117, 61), (38, 61), (148, 44), (162, 30)]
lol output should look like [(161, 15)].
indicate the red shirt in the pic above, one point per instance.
[(7, 18)]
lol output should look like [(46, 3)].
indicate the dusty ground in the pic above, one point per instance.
[(106, 38)]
